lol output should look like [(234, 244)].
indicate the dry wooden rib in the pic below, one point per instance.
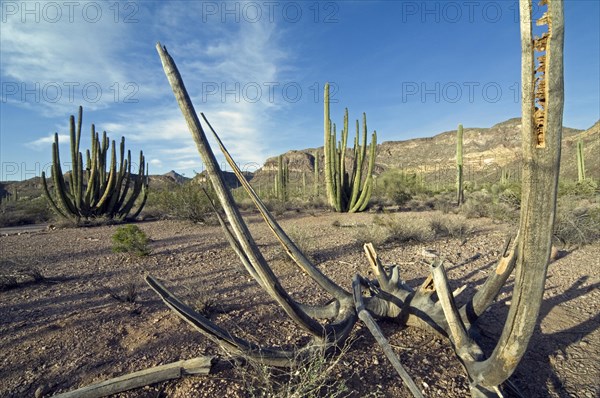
[(194, 366)]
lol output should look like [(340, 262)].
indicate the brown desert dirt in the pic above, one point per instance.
[(67, 331)]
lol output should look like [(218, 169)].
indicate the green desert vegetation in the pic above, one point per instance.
[(186, 201), (348, 190), (93, 192), (130, 239)]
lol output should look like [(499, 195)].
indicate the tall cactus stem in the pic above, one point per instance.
[(459, 165), (348, 189), (93, 192), (580, 162)]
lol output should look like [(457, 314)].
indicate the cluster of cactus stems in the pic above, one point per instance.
[(459, 165), (94, 191), (281, 179), (348, 191), (580, 162)]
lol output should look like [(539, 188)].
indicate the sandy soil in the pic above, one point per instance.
[(68, 331)]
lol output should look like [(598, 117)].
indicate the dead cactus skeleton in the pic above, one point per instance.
[(432, 305)]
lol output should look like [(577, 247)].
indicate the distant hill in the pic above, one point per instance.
[(486, 152)]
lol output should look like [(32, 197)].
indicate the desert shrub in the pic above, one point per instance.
[(484, 204), (444, 203), (129, 294), (389, 229), (511, 196), (420, 202), (24, 211), (311, 375), (577, 221), (452, 226), (399, 187), (181, 202), (14, 274), (585, 188), (277, 207), (130, 239)]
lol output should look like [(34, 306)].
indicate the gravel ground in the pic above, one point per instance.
[(69, 331)]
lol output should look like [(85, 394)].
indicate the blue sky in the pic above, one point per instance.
[(257, 70)]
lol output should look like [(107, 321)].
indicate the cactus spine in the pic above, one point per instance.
[(580, 162), (459, 165), (104, 194), (347, 191)]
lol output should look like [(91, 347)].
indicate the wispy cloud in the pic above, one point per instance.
[(57, 63), (79, 58), (44, 143)]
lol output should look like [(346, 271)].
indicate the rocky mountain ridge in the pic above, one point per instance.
[(487, 151)]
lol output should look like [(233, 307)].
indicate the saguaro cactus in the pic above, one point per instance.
[(459, 165), (347, 191), (103, 194), (580, 162)]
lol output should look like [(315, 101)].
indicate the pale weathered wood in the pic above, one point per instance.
[(194, 366), (541, 165), (465, 348), (368, 320)]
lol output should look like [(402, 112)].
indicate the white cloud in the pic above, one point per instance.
[(104, 53), (64, 63), (46, 142)]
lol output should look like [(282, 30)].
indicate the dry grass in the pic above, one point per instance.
[(313, 373)]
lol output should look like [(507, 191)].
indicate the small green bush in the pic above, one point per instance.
[(180, 202), (585, 188), (130, 239), (399, 187)]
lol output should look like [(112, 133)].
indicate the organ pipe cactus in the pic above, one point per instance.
[(580, 162), (281, 179), (93, 191), (347, 191), (459, 165)]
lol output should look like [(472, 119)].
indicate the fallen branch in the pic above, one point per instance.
[(157, 374), (368, 320)]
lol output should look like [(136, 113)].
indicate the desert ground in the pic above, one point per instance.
[(68, 330)]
